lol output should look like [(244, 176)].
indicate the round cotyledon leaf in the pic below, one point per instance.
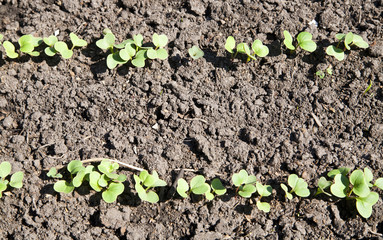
[(112, 192), (182, 187), (160, 40), (5, 169), (16, 180)]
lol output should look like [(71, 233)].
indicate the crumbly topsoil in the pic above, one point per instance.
[(214, 115)]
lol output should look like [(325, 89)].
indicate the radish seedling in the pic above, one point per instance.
[(159, 52), (195, 52), (356, 186), (27, 45), (55, 46), (244, 183), (198, 186), (54, 174), (217, 189), (16, 180), (258, 49), (144, 182), (347, 40), (104, 180), (304, 41), (298, 186), (263, 191)]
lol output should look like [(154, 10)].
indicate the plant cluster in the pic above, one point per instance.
[(28, 44), (357, 186), (258, 49), (322, 73), (132, 50), (16, 180), (103, 179), (198, 186), (345, 42), (146, 181)]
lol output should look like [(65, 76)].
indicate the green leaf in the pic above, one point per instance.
[(340, 186), (93, 181), (103, 180), (218, 187), (3, 185), (298, 185), (124, 43), (62, 48), (106, 31), (364, 204), (342, 170), (182, 188), (247, 190), (160, 40), (359, 42), (230, 44), (111, 193), (51, 40), (139, 62), (127, 53), (243, 48), (263, 206), (113, 60), (26, 43), (239, 178), (288, 40), (10, 49), (340, 36), (50, 51), (152, 54), (368, 175), (105, 166), (195, 52), (348, 40), (288, 195), (5, 169), (263, 190), (260, 49), (138, 40), (336, 52), (209, 196), (53, 173), (75, 166), (17, 180), (198, 185), (305, 42), (63, 187), (107, 42), (152, 197), (121, 178), (322, 185), (162, 54), (379, 183), (78, 179), (359, 183), (76, 41)]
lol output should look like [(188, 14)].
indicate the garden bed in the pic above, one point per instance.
[(212, 116)]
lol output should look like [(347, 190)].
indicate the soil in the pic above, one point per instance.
[(214, 116)]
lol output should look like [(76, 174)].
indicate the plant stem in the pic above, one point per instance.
[(113, 160)]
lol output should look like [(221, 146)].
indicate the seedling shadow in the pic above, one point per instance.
[(244, 209)]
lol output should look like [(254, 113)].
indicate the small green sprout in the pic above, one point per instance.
[(16, 180), (304, 41), (144, 182), (159, 52), (53, 173), (258, 49), (244, 183), (356, 186), (55, 46), (28, 43), (347, 40), (368, 88), (104, 180), (50, 41), (263, 191), (198, 186), (10, 49), (217, 189), (321, 73), (195, 52), (298, 186)]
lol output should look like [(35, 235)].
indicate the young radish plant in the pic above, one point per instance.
[(346, 41), (55, 46), (104, 179), (146, 181), (195, 52), (304, 41), (27, 44), (258, 49), (245, 188), (198, 186), (298, 186), (355, 187), (16, 180), (217, 189)]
